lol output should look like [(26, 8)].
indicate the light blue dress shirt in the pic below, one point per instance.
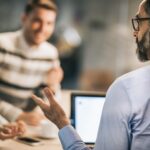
[(125, 122)]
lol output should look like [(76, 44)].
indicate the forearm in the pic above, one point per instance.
[(9, 111), (54, 78), (56, 88)]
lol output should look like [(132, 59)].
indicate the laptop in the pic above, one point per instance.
[(86, 110)]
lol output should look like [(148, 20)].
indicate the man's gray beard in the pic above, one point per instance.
[(143, 47)]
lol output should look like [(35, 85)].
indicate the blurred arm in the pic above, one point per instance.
[(9, 111)]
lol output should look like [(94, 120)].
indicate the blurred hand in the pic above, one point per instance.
[(52, 110), (55, 76), (31, 118), (12, 130)]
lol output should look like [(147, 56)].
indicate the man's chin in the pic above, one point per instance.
[(38, 41)]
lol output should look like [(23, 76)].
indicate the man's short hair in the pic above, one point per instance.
[(46, 4), (147, 7)]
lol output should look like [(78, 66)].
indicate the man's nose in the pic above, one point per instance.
[(135, 33), (42, 27)]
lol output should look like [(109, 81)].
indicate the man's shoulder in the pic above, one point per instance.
[(134, 82), (49, 49), (49, 45), (8, 39), (138, 73), (8, 35), (135, 77)]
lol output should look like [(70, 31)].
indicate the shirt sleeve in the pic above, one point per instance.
[(9, 111), (114, 130), (53, 64), (70, 140), (3, 120)]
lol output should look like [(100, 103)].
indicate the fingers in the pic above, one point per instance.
[(21, 127), (39, 102), (49, 95), (4, 136), (10, 131), (10, 128), (6, 130)]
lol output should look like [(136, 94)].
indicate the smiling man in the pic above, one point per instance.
[(28, 61), (125, 121)]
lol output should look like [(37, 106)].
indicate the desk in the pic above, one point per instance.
[(51, 144), (48, 144)]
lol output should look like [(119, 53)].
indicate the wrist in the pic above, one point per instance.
[(54, 87), (21, 116), (62, 123)]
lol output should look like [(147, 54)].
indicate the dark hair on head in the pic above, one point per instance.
[(47, 4), (147, 7)]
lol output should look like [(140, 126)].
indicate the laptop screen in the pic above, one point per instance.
[(86, 110)]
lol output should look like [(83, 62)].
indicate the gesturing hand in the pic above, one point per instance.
[(52, 109)]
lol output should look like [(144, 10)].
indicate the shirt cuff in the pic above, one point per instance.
[(68, 137)]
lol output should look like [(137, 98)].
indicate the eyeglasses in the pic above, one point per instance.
[(136, 22)]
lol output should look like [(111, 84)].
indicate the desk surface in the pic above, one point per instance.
[(51, 144)]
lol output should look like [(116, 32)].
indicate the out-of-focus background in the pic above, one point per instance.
[(94, 39)]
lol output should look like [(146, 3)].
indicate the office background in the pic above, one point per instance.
[(94, 39)]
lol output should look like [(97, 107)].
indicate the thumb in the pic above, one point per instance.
[(40, 102)]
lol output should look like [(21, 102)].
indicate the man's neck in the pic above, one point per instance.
[(29, 42)]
